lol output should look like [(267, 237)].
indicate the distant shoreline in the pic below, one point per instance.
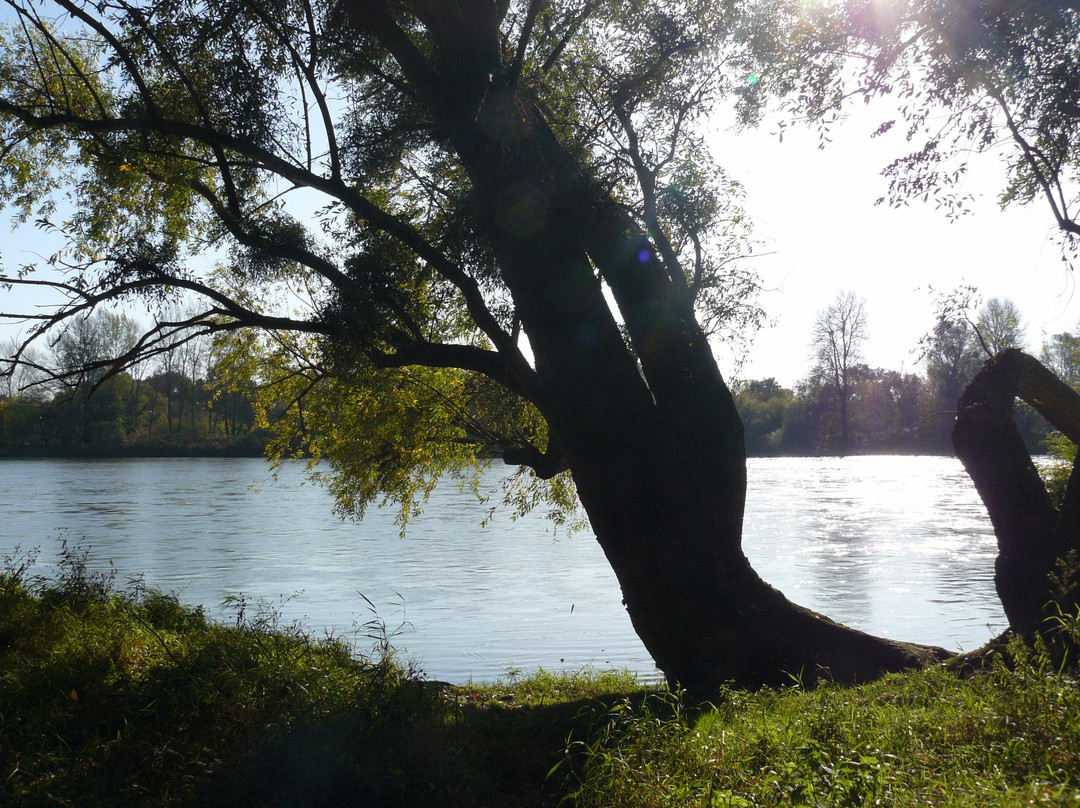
[(246, 450), (122, 452)]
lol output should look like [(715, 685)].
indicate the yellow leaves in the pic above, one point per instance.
[(74, 696)]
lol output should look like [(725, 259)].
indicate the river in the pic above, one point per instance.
[(899, 546)]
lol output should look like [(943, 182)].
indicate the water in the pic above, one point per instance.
[(898, 546)]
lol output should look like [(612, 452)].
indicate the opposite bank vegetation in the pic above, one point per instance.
[(125, 697)]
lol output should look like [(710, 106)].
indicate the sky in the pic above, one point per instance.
[(815, 211)]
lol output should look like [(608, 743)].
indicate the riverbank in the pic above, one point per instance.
[(126, 698), (255, 446), (252, 446)]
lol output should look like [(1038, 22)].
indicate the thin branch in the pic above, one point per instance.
[(466, 357), (535, 7), (647, 183), (249, 238), (122, 52), (357, 202), (372, 16), (306, 67), (229, 306), (1064, 222), (572, 28)]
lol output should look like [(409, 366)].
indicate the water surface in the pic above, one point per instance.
[(899, 546)]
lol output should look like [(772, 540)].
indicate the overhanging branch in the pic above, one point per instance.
[(465, 357)]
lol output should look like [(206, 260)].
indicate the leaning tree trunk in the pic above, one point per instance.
[(659, 462), (1038, 543), (650, 434), (670, 526)]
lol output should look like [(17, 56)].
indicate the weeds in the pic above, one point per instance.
[(1008, 736), (126, 697)]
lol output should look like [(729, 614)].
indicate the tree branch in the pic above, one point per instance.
[(545, 464), (371, 16), (535, 7), (466, 357), (357, 202), (1031, 533), (1031, 158)]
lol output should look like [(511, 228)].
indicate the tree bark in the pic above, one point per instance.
[(673, 537), (1034, 537), (657, 455), (651, 435)]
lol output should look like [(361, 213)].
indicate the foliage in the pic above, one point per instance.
[(999, 325), (128, 697), (884, 410), (286, 168), (72, 400), (1061, 354), (465, 228), (1002, 737), (762, 405), (1057, 469), (304, 408), (968, 77), (386, 437)]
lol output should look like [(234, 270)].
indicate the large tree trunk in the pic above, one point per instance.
[(651, 435), (1035, 539), (671, 530), (659, 462)]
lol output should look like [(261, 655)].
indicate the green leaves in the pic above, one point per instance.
[(289, 163), (387, 436), (967, 77)]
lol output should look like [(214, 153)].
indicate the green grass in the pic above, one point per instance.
[(124, 697), (1005, 735), (1006, 738)]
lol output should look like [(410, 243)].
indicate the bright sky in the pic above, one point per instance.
[(815, 208)]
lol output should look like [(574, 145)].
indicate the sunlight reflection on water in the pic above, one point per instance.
[(898, 546)]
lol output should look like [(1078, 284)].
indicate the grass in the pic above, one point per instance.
[(124, 697), (1006, 737)]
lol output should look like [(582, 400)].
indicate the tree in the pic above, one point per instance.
[(19, 394), (466, 175), (886, 409), (1038, 541), (762, 406), (970, 76), (999, 325), (839, 332), (979, 73), (1061, 354), (952, 354), (82, 354)]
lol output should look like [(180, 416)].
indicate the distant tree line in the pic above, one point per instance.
[(844, 405), (191, 399), (68, 399)]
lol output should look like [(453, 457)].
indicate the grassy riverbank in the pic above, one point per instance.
[(126, 698)]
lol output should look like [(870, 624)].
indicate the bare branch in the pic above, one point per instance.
[(535, 7), (466, 357)]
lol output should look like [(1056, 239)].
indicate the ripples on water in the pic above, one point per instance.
[(894, 545), (899, 546)]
